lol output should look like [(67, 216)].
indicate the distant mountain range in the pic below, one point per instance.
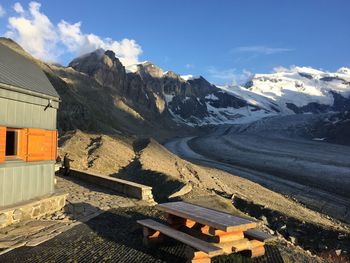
[(194, 101), (99, 93)]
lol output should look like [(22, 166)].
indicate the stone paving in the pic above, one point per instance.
[(84, 202)]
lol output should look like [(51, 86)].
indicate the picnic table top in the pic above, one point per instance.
[(213, 218)]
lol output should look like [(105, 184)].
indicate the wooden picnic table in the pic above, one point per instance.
[(209, 217), (209, 232)]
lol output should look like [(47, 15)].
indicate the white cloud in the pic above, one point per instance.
[(79, 43), (229, 76), (34, 32), (262, 50), (189, 66), (2, 11), (37, 34), (18, 8)]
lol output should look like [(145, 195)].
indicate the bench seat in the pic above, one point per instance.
[(200, 245)]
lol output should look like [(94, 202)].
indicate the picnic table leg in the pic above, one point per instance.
[(257, 251), (177, 222), (151, 237), (228, 237), (232, 242), (194, 256), (256, 248)]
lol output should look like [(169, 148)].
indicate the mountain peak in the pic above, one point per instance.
[(146, 68), (110, 54), (344, 70), (103, 66)]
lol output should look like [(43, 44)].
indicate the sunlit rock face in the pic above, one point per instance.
[(103, 66), (153, 93)]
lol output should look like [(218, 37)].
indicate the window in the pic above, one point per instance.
[(11, 143), (27, 144)]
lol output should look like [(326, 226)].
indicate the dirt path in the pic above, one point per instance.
[(252, 163)]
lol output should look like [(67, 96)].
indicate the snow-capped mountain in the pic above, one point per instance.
[(304, 89), (287, 91), (294, 91)]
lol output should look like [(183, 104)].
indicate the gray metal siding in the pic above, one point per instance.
[(20, 114), (19, 71), (20, 181), (10, 93)]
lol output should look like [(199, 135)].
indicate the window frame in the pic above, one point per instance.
[(17, 145)]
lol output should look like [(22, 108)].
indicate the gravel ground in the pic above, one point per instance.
[(114, 236)]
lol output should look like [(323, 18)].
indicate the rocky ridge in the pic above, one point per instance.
[(153, 93)]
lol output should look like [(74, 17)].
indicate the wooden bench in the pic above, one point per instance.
[(201, 251)]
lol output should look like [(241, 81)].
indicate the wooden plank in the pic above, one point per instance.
[(228, 237), (258, 235), (219, 220), (196, 243), (257, 251), (23, 144), (2, 144)]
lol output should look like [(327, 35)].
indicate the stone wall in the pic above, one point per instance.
[(32, 209), (130, 189)]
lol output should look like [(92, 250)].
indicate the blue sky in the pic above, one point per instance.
[(221, 40)]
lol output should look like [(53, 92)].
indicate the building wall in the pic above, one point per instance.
[(20, 180), (24, 111)]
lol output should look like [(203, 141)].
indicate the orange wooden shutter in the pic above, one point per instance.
[(42, 145), (23, 144), (54, 145), (48, 145), (36, 145), (2, 144)]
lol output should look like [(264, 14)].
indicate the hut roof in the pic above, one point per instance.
[(18, 71)]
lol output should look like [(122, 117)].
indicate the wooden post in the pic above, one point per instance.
[(194, 256)]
